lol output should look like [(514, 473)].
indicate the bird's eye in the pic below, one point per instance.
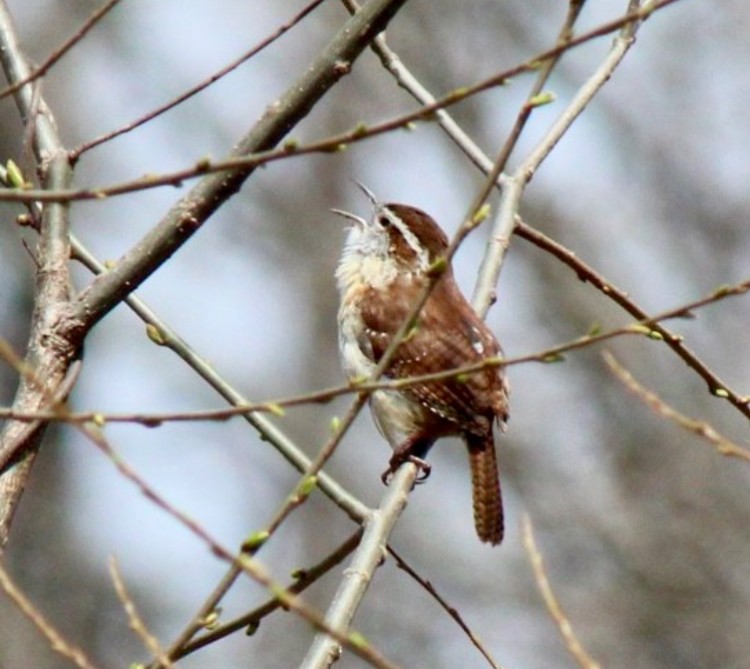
[(384, 220)]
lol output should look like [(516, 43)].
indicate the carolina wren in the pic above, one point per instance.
[(386, 263)]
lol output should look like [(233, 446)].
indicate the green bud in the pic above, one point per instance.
[(255, 541), (481, 214), (541, 99)]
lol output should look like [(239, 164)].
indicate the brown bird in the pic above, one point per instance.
[(386, 263)]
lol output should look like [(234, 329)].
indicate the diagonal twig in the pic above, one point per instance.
[(136, 621), (76, 153), (188, 215), (716, 386), (450, 610), (574, 646), (56, 641), (326, 648), (703, 429), (96, 16)]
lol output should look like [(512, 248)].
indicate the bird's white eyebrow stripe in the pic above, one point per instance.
[(409, 236)]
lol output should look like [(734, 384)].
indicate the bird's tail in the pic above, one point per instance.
[(485, 483)]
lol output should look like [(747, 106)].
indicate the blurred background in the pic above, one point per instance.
[(642, 525)]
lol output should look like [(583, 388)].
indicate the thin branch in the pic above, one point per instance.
[(191, 211), (75, 154), (256, 158), (716, 386), (450, 610), (645, 327), (572, 643), (703, 429), (250, 621), (56, 641), (245, 561), (56, 55), (136, 622), (515, 184), (533, 100), (406, 79)]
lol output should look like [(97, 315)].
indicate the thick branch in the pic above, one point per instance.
[(370, 553), (48, 357), (189, 214)]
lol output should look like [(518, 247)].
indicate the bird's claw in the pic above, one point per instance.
[(396, 461)]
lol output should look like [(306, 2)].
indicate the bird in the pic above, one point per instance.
[(387, 261)]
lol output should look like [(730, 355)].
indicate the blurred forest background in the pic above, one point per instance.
[(643, 526)]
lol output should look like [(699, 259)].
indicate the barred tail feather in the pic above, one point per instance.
[(485, 481)]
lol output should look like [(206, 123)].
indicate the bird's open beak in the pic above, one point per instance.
[(358, 219), (345, 214), (370, 195)]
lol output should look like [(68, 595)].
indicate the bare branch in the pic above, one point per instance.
[(515, 184), (190, 212), (47, 355), (703, 429), (75, 154), (56, 641), (136, 622), (450, 610), (326, 648), (58, 53), (572, 643), (716, 385)]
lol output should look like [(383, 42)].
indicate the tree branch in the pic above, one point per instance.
[(58, 53), (357, 576), (574, 646), (76, 153), (56, 641), (703, 429), (190, 212), (48, 356), (515, 184)]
